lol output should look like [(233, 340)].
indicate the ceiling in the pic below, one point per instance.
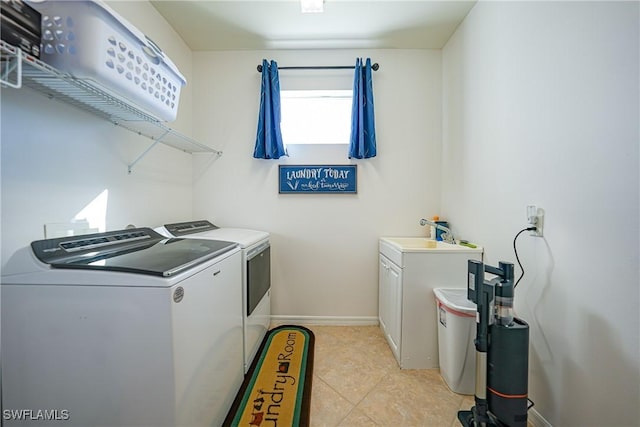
[(344, 24)]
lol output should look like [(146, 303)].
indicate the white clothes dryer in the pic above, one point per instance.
[(256, 274)]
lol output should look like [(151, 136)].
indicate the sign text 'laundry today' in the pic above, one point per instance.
[(318, 179)]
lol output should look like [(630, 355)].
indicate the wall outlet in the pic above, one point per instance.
[(535, 216)]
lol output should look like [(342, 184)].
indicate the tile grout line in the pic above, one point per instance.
[(339, 394), (387, 372), (355, 406)]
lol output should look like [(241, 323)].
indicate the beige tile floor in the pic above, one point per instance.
[(357, 382)]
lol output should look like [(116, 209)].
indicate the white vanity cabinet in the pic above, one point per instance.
[(390, 303), (408, 273)]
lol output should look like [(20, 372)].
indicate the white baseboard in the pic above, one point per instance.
[(325, 320), (537, 420)]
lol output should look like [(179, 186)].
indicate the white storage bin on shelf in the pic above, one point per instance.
[(456, 332), (89, 40), (22, 70)]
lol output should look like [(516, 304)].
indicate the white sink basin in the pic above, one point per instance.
[(395, 248), (413, 244)]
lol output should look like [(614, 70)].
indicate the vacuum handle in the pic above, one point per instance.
[(475, 271)]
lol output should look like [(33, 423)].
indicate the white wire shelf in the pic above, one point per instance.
[(20, 70)]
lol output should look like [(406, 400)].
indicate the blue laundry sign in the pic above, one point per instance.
[(318, 179)]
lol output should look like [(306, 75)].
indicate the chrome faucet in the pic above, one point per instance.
[(447, 235)]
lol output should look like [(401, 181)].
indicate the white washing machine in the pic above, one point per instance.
[(121, 328), (256, 274)]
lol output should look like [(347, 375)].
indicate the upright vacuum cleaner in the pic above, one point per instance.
[(502, 351)]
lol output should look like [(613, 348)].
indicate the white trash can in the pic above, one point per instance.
[(456, 333)]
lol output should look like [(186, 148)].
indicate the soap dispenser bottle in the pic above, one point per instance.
[(440, 232), (432, 229)]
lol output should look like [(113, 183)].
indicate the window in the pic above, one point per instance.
[(316, 116)]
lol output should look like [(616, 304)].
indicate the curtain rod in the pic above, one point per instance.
[(374, 67)]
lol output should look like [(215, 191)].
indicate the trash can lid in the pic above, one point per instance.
[(455, 299)]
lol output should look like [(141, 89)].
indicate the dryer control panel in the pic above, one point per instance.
[(190, 227)]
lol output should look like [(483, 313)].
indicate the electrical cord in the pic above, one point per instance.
[(515, 250), (530, 402)]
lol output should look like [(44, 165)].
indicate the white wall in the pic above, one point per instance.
[(56, 159), (324, 247), (541, 106)]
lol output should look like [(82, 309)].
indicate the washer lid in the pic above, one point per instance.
[(139, 250)]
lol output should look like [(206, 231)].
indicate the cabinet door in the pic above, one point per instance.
[(394, 307), (383, 285)]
